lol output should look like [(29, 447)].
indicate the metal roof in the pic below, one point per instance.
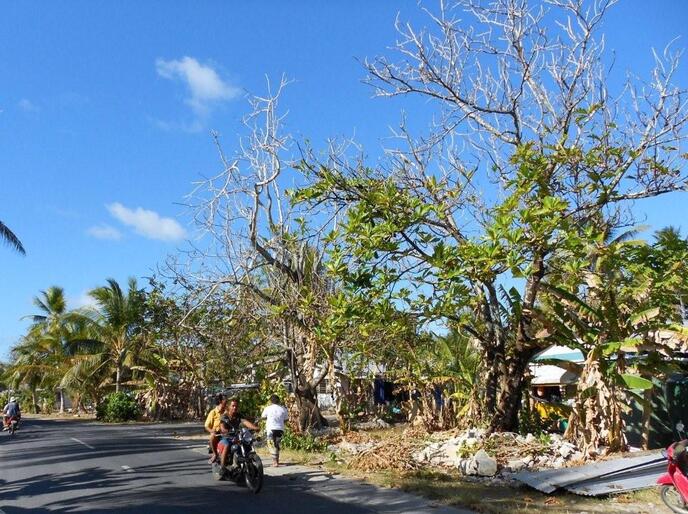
[(603, 477)]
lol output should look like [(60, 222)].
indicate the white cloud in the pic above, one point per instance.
[(27, 105), (104, 232), (170, 126), (148, 223), (205, 85), (83, 300)]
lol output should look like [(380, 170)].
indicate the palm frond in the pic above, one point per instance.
[(8, 237)]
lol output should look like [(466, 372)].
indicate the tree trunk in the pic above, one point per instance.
[(511, 386), (492, 364), (34, 401), (118, 378), (309, 412), (62, 402)]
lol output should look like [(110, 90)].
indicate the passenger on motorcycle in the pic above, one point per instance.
[(11, 410), (212, 423), (229, 426)]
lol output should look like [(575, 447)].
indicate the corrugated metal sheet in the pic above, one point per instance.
[(629, 480), (604, 477)]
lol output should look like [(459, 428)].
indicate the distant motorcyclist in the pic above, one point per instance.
[(11, 410)]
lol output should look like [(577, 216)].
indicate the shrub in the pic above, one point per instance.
[(117, 407), (303, 442)]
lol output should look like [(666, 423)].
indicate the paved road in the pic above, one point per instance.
[(77, 466)]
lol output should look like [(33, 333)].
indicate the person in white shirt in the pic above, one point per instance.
[(276, 416)]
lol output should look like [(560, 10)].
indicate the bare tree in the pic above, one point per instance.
[(258, 246)]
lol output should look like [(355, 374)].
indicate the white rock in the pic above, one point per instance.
[(543, 461), (471, 441), (487, 466), (566, 450), (468, 466), (529, 438), (577, 456), (516, 465)]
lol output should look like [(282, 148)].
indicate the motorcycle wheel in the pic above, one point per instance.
[(673, 499), (11, 429), (253, 473)]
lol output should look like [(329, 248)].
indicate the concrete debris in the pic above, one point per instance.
[(373, 424), (508, 452), (487, 466)]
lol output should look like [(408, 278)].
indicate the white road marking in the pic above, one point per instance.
[(81, 442), (128, 469)]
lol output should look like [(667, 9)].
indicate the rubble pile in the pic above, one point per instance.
[(373, 424), (393, 452), (474, 453)]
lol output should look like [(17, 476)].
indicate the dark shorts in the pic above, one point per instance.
[(274, 438), (275, 435)]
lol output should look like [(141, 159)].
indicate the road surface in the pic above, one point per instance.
[(80, 466)]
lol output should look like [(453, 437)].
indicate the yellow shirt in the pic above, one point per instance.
[(212, 422)]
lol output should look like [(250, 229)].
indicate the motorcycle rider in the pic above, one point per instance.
[(212, 424), (11, 410), (232, 422)]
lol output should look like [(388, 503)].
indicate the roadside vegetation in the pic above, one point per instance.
[(448, 265)]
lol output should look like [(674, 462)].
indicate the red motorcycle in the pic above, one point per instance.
[(12, 425), (674, 483)]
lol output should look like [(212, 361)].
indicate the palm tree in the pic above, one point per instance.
[(114, 336), (53, 325), (42, 356), (29, 366), (8, 236)]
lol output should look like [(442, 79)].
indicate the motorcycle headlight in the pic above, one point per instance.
[(247, 437)]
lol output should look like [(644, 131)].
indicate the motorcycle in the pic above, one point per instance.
[(248, 466), (674, 483), (12, 425)]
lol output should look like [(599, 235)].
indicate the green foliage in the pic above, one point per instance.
[(117, 407), (303, 442)]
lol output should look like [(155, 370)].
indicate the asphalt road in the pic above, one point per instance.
[(78, 466)]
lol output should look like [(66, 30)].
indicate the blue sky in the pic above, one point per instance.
[(106, 109)]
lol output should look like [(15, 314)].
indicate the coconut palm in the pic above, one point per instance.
[(8, 236), (53, 326), (42, 355), (29, 367), (113, 337)]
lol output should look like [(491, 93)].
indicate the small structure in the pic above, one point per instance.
[(557, 380)]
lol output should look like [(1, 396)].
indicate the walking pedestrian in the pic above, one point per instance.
[(276, 416)]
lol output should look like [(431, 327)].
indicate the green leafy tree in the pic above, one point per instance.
[(530, 155)]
